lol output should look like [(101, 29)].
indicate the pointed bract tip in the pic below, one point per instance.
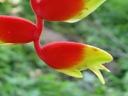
[(97, 57), (89, 7)]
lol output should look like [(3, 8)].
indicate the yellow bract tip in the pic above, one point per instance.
[(72, 72), (98, 73), (89, 7), (93, 58)]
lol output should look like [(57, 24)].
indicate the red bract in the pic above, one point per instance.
[(64, 10), (58, 10), (62, 55), (16, 30), (71, 58)]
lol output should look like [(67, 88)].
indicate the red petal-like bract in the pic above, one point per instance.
[(62, 54), (57, 10), (71, 58), (16, 30)]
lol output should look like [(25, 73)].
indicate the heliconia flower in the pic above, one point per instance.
[(16, 30), (67, 57), (71, 58), (64, 10)]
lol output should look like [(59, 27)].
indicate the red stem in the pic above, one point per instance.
[(37, 45), (39, 25)]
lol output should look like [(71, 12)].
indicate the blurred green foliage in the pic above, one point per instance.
[(22, 73)]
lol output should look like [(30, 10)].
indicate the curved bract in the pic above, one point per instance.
[(64, 10), (71, 58), (16, 30)]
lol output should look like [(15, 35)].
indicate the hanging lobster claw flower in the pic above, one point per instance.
[(72, 58), (64, 10), (16, 30)]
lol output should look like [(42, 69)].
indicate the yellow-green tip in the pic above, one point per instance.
[(89, 7), (97, 57), (93, 58)]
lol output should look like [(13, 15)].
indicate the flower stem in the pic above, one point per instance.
[(39, 25)]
